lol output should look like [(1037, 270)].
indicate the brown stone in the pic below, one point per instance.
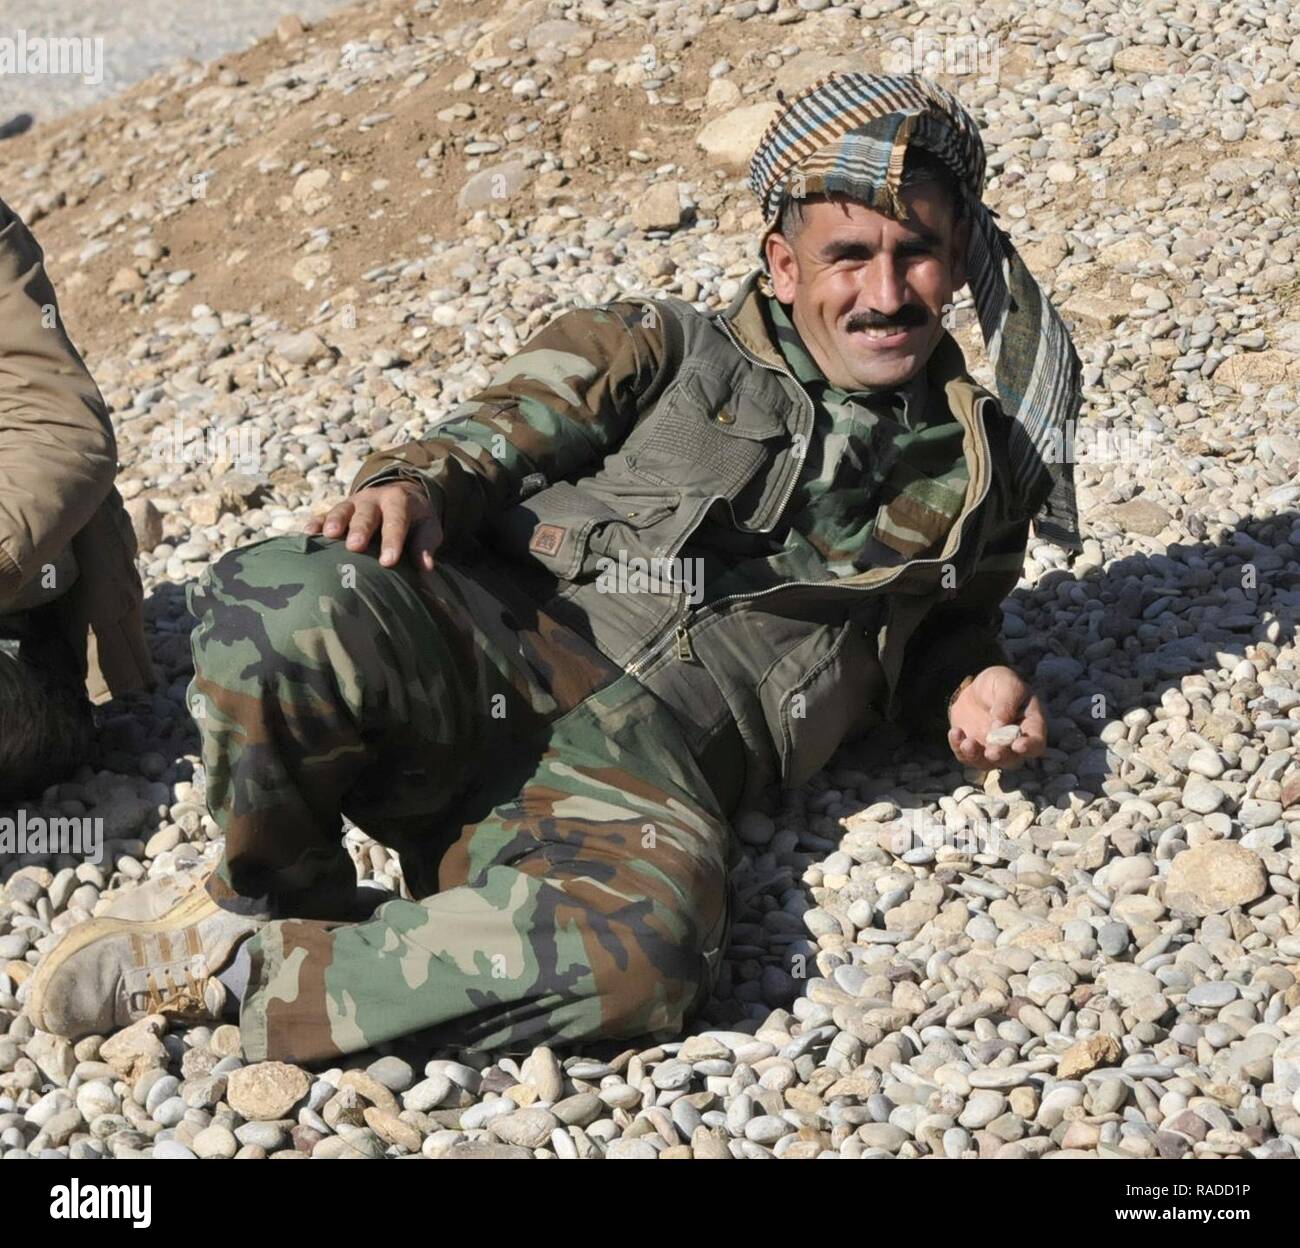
[(392, 1130), (136, 1048), (1088, 1054), (659, 208), (730, 140), (266, 1090), (1138, 515), (370, 1088), (1261, 368), (708, 1144), (1213, 878), (146, 521), (1146, 59), (1290, 796), (125, 281), (1096, 309)]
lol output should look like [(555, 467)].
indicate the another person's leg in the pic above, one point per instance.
[(46, 725), (590, 901)]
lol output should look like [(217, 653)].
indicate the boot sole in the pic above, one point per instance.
[(189, 909)]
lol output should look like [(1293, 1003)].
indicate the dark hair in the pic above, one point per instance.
[(45, 727), (919, 165)]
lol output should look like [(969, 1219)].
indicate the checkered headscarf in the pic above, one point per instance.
[(849, 133)]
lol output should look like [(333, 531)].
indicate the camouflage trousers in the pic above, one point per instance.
[(568, 856)]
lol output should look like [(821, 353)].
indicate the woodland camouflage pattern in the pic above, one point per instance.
[(876, 470), (578, 856), (559, 404), (578, 386)]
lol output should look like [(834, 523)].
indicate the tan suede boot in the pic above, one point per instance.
[(108, 973)]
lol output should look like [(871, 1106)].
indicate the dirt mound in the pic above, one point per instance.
[(274, 179)]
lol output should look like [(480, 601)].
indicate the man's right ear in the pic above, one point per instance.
[(783, 266)]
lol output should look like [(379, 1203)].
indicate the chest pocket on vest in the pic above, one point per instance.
[(700, 443)]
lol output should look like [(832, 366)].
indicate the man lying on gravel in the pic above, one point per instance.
[(664, 562), (71, 628)]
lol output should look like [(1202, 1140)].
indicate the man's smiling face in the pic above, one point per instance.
[(868, 292)]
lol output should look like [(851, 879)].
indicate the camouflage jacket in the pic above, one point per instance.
[(618, 433)]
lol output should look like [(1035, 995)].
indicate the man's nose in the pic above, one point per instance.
[(884, 289)]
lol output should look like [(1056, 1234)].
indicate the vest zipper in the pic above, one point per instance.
[(675, 631)]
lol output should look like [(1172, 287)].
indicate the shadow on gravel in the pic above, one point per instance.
[(1095, 646), (1099, 644), (1125, 634), (139, 738), (156, 724)]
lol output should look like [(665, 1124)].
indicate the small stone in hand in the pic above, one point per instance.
[(1004, 735)]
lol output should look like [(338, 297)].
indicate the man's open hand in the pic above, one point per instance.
[(996, 698), (399, 511)]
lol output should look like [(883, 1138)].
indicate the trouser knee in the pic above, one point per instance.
[(659, 971), (271, 602)]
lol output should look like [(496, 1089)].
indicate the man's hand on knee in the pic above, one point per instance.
[(399, 511), (994, 700)]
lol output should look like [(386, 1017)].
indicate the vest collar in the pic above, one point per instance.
[(745, 316)]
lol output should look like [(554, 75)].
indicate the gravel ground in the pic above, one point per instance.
[(1096, 956), (138, 39)]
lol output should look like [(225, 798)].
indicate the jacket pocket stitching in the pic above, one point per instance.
[(684, 425), (563, 505)]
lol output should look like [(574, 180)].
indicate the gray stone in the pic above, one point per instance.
[(1213, 994), (427, 1094)]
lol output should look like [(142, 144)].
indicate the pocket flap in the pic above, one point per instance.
[(742, 416), (552, 527), (701, 442)]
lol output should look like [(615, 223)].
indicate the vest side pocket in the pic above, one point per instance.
[(565, 527), (818, 694)]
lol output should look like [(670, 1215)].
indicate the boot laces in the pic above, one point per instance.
[(169, 993)]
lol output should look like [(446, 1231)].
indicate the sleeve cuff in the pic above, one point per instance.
[(387, 474)]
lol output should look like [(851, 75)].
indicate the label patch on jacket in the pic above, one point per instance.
[(547, 539)]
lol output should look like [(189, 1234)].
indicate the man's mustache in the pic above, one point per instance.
[(909, 316)]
